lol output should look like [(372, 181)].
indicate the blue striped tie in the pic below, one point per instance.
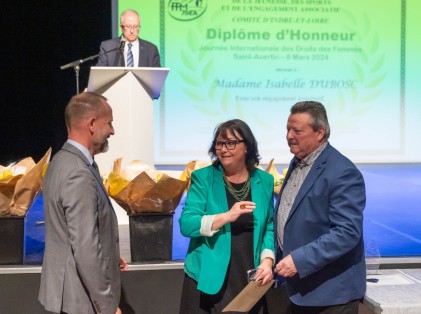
[(130, 56)]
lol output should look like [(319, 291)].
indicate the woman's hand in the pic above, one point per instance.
[(236, 211), (239, 209), (264, 272)]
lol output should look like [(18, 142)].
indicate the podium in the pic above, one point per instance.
[(130, 93)]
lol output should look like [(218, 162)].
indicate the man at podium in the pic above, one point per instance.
[(135, 52)]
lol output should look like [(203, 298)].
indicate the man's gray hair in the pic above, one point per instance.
[(318, 113)]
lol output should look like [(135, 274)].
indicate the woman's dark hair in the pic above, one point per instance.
[(241, 131)]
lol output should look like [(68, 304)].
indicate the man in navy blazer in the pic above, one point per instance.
[(319, 219), (145, 54)]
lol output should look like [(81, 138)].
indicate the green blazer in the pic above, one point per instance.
[(208, 257)]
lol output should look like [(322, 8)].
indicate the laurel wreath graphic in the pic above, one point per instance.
[(350, 104), (198, 83), (368, 68)]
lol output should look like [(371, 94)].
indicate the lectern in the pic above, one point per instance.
[(130, 93)]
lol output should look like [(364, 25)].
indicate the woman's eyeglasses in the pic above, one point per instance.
[(228, 144)]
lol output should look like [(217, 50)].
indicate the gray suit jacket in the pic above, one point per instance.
[(80, 271), (148, 54)]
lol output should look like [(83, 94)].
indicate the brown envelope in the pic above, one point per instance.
[(248, 297)]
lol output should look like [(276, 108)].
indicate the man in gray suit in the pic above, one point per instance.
[(136, 53), (81, 267)]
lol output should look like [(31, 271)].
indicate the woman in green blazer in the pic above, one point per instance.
[(228, 218)]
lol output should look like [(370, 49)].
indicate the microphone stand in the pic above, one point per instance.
[(76, 64)]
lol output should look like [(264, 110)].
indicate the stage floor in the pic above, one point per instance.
[(391, 219)]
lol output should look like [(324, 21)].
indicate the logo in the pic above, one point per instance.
[(186, 10)]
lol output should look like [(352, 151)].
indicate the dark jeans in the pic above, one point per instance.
[(348, 308)]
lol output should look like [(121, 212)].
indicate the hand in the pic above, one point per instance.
[(236, 210), (239, 209), (286, 267), (123, 264), (264, 271), (118, 311)]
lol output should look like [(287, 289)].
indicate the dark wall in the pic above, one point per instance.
[(41, 37)]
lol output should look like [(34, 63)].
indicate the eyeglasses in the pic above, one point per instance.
[(130, 27), (228, 144)]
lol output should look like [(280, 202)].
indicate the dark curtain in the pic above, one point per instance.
[(40, 37)]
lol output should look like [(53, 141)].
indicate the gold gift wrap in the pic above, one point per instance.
[(190, 167), (140, 188), (20, 184), (278, 177), (150, 191)]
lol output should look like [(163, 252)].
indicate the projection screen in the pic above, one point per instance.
[(253, 59)]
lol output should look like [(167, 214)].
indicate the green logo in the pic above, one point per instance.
[(186, 10)]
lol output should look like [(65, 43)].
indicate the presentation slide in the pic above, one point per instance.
[(253, 59)]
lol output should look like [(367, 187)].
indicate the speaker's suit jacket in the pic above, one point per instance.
[(208, 257), (80, 271), (148, 54), (324, 233)]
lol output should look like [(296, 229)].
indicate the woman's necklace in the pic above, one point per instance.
[(241, 194)]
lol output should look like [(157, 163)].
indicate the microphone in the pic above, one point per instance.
[(122, 43)]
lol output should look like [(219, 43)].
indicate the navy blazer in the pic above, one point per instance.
[(148, 54), (324, 233)]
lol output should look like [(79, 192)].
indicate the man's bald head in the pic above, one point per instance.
[(82, 107)]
